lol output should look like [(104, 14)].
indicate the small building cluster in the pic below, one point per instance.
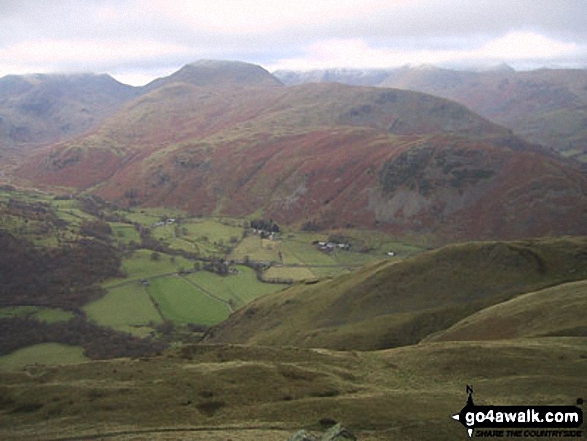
[(266, 235), (163, 223), (331, 246)]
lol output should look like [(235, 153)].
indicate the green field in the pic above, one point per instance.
[(208, 238), (181, 302), (46, 354), (167, 235), (141, 264), (302, 260), (126, 308), (214, 230), (148, 216), (299, 252), (289, 273), (202, 298), (125, 233), (238, 289), (49, 315), (256, 249)]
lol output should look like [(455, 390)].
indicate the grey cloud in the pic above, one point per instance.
[(431, 25)]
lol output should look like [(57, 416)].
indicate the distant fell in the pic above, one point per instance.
[(545, 106), (46, 108), (218, 74)]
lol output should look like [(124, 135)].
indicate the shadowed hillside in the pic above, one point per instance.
[(399, 303)]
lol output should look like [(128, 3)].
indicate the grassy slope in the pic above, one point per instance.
[(181, 302), (125, 308), (553, 311), (239, 289), (398, 303), (141, 264), (403, 394), (46, 353)]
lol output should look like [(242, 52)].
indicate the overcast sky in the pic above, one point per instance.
[(138, 40)]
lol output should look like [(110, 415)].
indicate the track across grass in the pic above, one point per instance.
[(182, 303), (237, 289)]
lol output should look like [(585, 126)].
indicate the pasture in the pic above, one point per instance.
[(256, 249), (144, 264), (127, 308), (238, 289), (48, 315), (208, 238), (213, 230), (288, 273), (181, 302), (45, 354)]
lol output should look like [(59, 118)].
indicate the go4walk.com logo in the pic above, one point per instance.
[(520, 421)]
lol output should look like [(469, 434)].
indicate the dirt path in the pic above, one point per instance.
[(252, 433)]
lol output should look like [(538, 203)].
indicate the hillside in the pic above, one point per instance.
[(545, 106), (552, 311), (257, 393), (217, 74), (326, 154), (399, 303), (43, 109)]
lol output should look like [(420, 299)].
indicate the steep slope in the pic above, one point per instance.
[(546, 106), (43, 109), (553, 311), (333, 154), (398, 303)]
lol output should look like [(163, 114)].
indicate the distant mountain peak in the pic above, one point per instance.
[(219, 73), (218, 64)]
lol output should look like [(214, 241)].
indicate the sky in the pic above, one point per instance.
[(137, 41)]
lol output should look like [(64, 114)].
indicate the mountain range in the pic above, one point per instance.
[(229, 138), (545, 106)]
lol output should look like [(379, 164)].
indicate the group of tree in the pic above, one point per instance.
[(98, 342), (268, 226), (217, 266), (66, 276), (98, 228)]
